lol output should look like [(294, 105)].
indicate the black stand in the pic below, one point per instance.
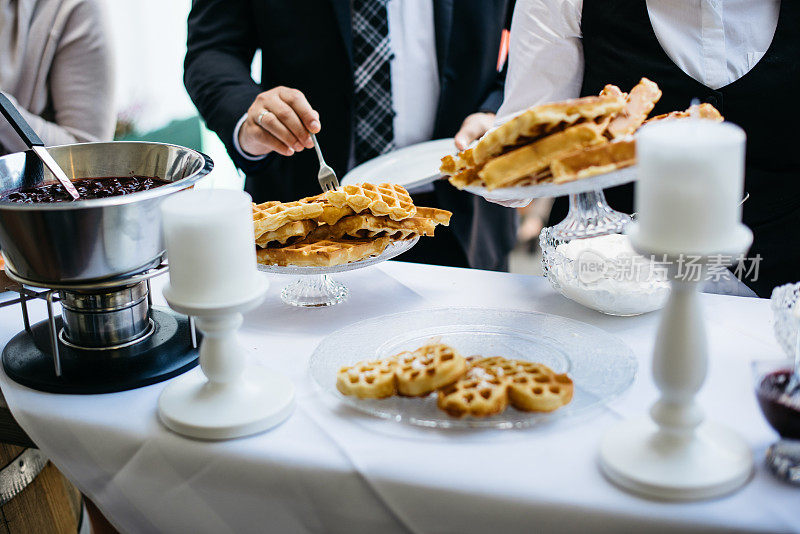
[(168, 352)]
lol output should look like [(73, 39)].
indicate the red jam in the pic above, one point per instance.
[(88, 188), (781, 409)]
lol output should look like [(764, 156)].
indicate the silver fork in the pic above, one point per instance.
[(327, 178)]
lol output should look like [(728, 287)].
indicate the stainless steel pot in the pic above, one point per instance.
[(96, 239)]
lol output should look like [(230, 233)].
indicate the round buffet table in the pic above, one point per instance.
[(329, 468)]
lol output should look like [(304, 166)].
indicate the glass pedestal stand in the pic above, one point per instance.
[(314, 291), (589, 216), (315, 288)]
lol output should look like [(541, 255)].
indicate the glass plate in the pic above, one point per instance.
[(584, 185), (314, 288), (395, 248), (600, 365)]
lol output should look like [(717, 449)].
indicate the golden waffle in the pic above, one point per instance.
[(638, 105), (594, 160), (330, 214), (427, 369), (435, 214), (464, 178), (384, 199), (532, 387), (620, 153), (479, 393), (700, 111), (539, 178), (289, 232), (541, 120), (272, 215), (544, 176), (368, 380), (324, 253), (367, 225), (451, 164), (537, 156), (612, 91)]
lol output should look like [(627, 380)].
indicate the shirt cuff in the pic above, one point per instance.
[(239, 150)]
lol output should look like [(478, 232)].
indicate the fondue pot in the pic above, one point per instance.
[(87, 240), (95, 257)]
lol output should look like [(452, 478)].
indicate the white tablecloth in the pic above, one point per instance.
[(330, 469)]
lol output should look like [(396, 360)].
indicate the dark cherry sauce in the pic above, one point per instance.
[(88, 188), (781, 410)]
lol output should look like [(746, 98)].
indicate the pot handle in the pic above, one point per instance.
[(20, 125)]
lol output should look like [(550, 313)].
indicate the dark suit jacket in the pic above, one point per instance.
[(307, 45)]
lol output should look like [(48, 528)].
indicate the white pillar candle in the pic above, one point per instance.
[(691, 182), (209, 238)]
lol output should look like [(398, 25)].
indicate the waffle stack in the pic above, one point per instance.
[(342, 226), (563, 141), (476, 386)]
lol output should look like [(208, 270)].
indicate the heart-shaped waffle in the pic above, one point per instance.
[(367, 225), (427, 369), (369, 379), (323, 253), (272, 215), (287, 234), (479, 393), (383, 199), (532, 387), (330, 214)]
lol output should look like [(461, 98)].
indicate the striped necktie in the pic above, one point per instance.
[(372, 52)]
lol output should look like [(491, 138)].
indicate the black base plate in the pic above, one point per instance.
[(168, 352)]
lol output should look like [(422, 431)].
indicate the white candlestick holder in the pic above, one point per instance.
[(226, 397), (209, 239), (675, 454)]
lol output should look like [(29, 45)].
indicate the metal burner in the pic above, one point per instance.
[(108, 320)]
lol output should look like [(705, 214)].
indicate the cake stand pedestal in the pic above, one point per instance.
[(315, 288), (589, 216), (226, 397), (674, 454)]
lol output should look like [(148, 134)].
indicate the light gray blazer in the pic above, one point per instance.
[(56, 66)]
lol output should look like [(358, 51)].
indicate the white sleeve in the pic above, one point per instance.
[(545, 54), (238, 147)]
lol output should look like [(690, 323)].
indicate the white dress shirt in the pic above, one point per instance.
[(415, 74), (716, 42)]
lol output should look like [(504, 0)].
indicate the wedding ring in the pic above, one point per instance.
[(261, 116)]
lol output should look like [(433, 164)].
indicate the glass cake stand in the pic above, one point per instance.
[(314, 288), (600, 365), (589, 214)]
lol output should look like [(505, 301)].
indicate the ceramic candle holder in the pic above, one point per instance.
[(213, 277), (688, 196)]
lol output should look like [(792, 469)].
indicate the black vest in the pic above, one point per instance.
[(620, 47)]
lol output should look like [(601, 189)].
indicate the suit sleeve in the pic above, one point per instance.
[(220, 47)]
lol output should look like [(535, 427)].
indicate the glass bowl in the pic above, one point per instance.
[(605, 274), (785, 316)]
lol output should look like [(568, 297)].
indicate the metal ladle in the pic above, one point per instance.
[(26, 133)]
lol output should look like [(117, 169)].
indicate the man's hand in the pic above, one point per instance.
[(473, 127), (279, 120)]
